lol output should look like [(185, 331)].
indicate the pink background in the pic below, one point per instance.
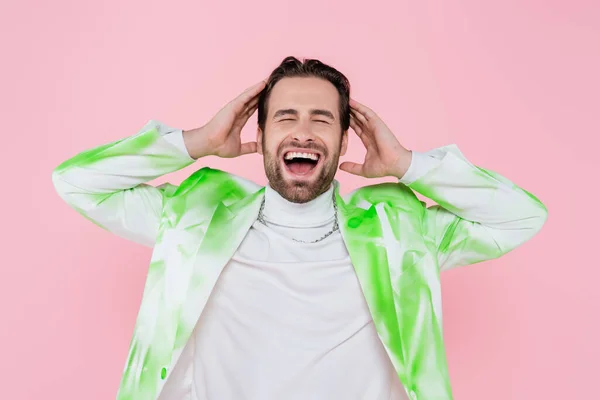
[(514, 83)]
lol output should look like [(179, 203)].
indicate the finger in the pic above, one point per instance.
[(364, 138), (359, 117), (362, 109), (252, 92), (251, 107), (360, 130), (354, 117), (248, 148), (352, 168), (245, 115), (355, 127), (248, 113), (242, 119), (240, 103)]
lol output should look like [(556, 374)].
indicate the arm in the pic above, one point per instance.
[(107, 184), (480, 215)]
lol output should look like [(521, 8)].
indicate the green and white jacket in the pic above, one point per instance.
[(397, 245)]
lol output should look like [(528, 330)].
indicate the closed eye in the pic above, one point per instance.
[(291, 119)]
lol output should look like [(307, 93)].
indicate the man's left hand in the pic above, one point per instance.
[(385, 155)]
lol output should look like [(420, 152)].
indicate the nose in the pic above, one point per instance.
[(303, 133)]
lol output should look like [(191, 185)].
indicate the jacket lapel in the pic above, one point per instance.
[(226, 230), (396, 280), (362, 234)]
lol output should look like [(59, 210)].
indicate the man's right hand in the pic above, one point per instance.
[(221, 135)]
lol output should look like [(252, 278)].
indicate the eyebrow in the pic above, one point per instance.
[(291, 111)]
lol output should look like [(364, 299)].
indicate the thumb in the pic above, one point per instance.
[(352, 168), (248, 148)]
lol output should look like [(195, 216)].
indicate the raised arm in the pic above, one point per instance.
[(480, 215), (108, 184)]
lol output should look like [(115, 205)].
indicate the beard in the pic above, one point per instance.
[(301, 191)]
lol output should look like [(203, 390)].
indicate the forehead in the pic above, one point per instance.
[(304, 93)]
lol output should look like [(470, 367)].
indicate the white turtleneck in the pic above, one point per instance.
[(286, 320)]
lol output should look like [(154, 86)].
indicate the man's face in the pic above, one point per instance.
[(303, 138)]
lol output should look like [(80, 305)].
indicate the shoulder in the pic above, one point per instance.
[(389, 193), (214, 185)]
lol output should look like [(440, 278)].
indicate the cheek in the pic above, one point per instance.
[(270, 147), (273, 140), (333, 145)]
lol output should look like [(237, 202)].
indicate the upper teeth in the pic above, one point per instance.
[(293, 154)]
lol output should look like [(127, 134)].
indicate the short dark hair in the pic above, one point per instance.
[(292, 67)]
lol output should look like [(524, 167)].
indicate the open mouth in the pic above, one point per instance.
[(301, 163)]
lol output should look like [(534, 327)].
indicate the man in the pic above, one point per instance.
[(291, 291)]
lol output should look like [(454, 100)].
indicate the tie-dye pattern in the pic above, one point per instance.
[(397, 246)]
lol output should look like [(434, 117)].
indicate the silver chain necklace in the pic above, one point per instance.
[(261, 219)]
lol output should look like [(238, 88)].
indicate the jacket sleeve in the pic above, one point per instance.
[(479, 215), (107, 184)]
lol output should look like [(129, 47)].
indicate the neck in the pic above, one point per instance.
[(314, 213)]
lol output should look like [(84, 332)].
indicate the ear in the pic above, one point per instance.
[(344, 145), (259, 136)]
